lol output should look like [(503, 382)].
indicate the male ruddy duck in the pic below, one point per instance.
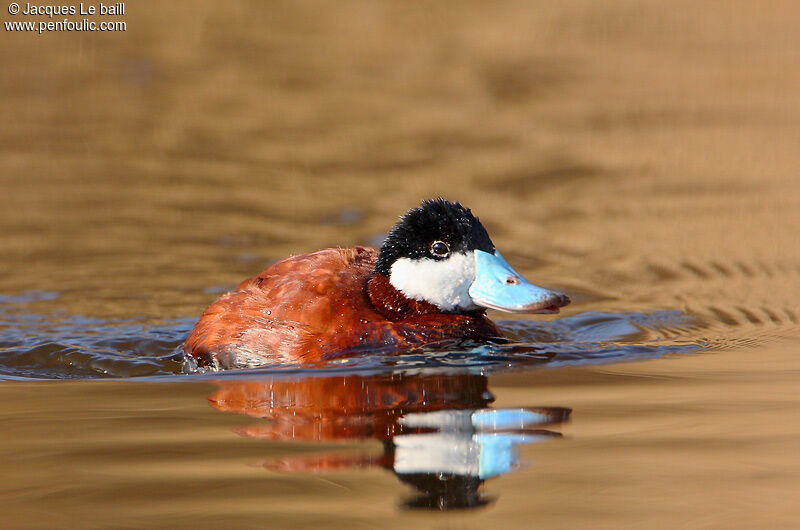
[(432, 279)]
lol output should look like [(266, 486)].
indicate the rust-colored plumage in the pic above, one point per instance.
[(321, 306), (346, 407)]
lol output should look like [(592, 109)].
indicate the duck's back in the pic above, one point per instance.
[(288, 313)]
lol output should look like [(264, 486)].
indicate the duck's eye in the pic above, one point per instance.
[(439, 249)]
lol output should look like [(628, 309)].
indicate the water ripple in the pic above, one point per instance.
[(36, 347)]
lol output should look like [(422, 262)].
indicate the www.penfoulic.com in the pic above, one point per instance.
[(82, 24), (64, 25)]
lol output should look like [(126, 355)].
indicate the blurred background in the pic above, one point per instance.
[(641, 156), (208, 139)]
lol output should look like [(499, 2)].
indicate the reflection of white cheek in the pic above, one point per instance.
[(437, 453), (444, 283), (477, 455)]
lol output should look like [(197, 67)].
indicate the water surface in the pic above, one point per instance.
[(642, 159)]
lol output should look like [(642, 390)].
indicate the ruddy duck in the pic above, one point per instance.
[(432, 280)]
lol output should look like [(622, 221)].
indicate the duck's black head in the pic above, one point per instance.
[(435, 230), (441, 254)]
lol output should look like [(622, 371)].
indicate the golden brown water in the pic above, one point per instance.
[(642, 158)]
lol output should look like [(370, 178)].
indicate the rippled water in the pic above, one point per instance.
[(642, 159), (39, 348)]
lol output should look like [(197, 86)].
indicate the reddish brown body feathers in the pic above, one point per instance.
[(340, 407), (320, 306)]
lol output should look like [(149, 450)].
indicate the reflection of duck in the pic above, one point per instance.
[(432, 280), (438, 436)]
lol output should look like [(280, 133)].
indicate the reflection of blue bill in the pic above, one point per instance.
[(499, 452), (480, 443), (484, 420)]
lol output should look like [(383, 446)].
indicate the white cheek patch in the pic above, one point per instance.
[(444, 283)]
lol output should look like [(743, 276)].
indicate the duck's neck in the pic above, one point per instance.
[(393, 304)]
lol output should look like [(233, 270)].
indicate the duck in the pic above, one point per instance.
[(432, 280)]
